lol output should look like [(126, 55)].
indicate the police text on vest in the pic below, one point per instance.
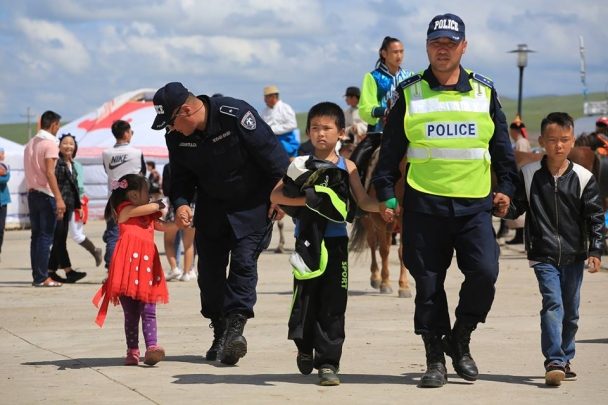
[(451, 129)]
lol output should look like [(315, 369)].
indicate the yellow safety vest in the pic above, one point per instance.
[(448, 133)]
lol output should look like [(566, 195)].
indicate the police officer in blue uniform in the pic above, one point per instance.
[(449, 122), (222, 151)]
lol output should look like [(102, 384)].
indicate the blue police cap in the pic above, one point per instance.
[(446, 26), (166, 100)]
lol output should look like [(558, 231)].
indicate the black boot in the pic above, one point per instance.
[(518, 239), (436, 374), (219, 330), (94, 251), (457, 347), (235, 344)]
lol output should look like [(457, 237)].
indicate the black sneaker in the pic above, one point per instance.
[(570, 374), (56, 277), (73, 276), (304, 361), (328, 375)]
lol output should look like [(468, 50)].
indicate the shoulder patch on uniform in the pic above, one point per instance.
[(410, 80), (229, 110), (248, 121), (483, 80)]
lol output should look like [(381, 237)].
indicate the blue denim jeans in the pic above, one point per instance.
[(560, 288), (110, 237), (42, 220)]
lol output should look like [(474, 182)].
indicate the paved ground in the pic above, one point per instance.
[(52, 351)]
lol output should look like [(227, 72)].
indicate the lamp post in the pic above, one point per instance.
[(522, 61)]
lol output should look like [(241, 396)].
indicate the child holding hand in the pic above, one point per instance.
[(563, 229), (135, 278), (316, 324)]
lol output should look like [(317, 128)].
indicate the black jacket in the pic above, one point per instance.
[(232, 165), (319, 207), (564, 218), (68, 185)]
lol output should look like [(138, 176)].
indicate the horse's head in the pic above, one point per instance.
[(591, 140)]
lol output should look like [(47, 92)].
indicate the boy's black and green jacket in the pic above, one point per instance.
[(327, 191)]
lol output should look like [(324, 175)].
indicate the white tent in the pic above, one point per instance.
[(17, 211), (93, 134)]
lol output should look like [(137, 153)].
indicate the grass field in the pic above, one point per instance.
[(533, 111)]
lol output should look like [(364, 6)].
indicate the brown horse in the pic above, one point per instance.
[(371, 230), (583, 155)]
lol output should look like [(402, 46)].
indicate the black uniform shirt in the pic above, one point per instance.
[(233, 165), (394, 147)]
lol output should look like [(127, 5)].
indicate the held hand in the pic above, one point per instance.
[(594, 264), (500, 204), (389, 210), (275, 212), (183, 216)]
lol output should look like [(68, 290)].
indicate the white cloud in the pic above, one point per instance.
[(53, 43), (312, 49)]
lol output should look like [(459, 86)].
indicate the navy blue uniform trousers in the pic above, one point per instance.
[(429, 243), (223, 294)]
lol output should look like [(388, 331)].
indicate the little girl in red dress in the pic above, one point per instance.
[(135, 277)]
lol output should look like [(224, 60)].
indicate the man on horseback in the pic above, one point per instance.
[(450, 123)]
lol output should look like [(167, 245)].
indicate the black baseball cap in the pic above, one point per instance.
[(446, 26), (166, 100)]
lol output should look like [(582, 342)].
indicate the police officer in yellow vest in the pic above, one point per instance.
[(448, 122)]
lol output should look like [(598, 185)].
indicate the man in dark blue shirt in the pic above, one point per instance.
[(449, 122), (222, 151)]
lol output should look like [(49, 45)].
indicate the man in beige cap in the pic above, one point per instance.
[(282, 119)]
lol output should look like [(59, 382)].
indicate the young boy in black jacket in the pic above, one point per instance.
[(316, 324), (563, 228)]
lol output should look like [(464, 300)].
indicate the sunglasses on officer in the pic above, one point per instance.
[(171, 122)]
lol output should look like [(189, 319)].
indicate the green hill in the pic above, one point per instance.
[(533, 111)]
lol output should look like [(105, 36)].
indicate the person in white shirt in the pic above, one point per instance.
[(282, 120), (119, 160), (356, 128)]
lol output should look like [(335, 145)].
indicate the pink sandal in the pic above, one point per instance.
[(132, 358), (154, 354)]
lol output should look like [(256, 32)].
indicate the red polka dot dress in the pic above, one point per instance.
[(135, 269)]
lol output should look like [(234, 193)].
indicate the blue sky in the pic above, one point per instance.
[(71, 56)]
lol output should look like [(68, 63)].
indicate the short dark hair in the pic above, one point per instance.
[(326, 109), (151, 164), (562, 119), (119, 127), (48, 118)]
